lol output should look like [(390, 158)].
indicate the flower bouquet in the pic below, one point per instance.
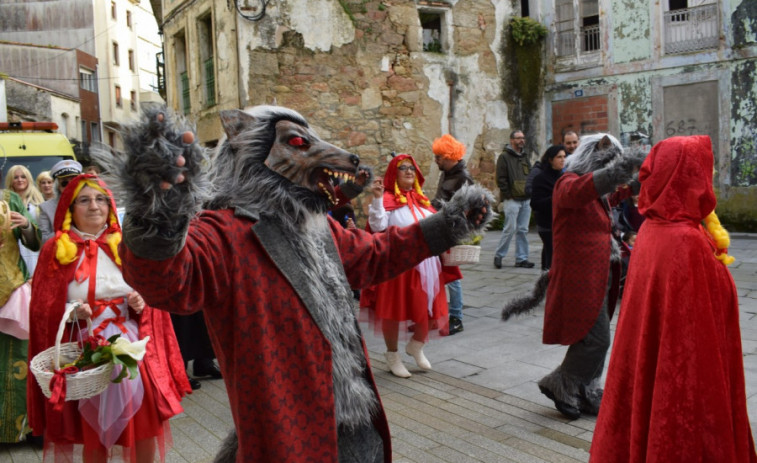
[(96, 351)]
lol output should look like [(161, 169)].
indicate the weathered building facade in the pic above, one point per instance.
[(383, 76), (646, 71)]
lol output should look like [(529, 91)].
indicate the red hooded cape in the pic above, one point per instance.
[(163, 362), (675, 385)]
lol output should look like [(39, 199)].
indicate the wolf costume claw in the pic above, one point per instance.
[(243, 235), (582, 286)]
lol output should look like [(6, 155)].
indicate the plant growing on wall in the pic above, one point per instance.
[(523, 71), (526, 31)]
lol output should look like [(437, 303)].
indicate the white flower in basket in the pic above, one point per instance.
[(468, 252), (78, 370)]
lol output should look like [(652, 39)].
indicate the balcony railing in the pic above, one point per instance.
[(590, 38), (692, 29)]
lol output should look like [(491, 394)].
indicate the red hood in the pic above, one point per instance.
[(390, 177), (676, 180)]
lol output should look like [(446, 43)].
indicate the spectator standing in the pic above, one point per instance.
[(570, 142), (20, 180), (16, 226), (675, 385), (448, 154), (513, 168), (416, 295), (62, 173), (45, 185), (194, 344), (541, 199)]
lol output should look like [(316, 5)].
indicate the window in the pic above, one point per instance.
[(113, 11), (87, 80), (128, 19), (95, 135), (115, 54), (433, 31), (131, 60), (119, 103), (207, 49), (133, 97), (181, 71), (577, 34)]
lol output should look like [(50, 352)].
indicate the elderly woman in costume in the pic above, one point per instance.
[(81, 267), (20, 180), (418, 294), (675, 386), (16, 226)]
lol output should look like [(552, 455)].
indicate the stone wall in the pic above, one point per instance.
[(374, 91)]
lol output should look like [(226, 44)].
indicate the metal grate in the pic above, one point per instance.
[(692, 29), (185, 92), (210, 82), (590, 38)]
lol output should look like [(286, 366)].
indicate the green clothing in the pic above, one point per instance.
[(512, 171), (14, 366)]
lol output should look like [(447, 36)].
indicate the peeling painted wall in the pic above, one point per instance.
[(631, 28)]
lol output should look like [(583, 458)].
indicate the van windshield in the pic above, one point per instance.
[(35, 164)]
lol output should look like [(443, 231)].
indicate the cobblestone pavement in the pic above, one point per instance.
[(481, 403)]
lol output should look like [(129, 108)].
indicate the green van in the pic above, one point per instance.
[(35, 145)]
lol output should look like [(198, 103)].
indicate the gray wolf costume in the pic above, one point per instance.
[(243, 235)]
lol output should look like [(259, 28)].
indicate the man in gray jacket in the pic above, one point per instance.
[(513, 168)]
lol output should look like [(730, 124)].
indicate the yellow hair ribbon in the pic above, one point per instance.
[(398, 194), (113, 240), (721, 238)]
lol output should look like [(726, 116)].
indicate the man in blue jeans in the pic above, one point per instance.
[(513, 168), (448, 154)]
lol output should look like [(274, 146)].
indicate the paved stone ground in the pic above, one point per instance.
[(481, 403)]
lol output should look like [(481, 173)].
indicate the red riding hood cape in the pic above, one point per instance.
[(162, 359), (675, 385)]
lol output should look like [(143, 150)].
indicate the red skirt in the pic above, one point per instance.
[(403, 299), (68, 436)]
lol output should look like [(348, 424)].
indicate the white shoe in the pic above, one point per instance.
[(395, 365), (415, 348)]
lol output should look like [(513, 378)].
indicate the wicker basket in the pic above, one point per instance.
[(81, 385), (462, 254)]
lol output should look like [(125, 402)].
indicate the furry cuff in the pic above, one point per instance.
[(455, 221)]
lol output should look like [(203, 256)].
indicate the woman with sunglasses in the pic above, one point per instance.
[(417, 295)]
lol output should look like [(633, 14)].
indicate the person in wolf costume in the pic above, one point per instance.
[(273, 273), (675, 384), (582, 284)]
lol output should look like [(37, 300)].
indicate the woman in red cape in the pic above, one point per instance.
[(675, 384), (417, 295), (76, 430)]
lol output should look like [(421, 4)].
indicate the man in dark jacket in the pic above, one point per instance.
[(448, 154), (513, 168)]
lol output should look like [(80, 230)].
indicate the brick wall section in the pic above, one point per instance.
[(581, 115)]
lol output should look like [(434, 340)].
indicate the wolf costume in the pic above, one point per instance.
[(272, 273), (582, 284)]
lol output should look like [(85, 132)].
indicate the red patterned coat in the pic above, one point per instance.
[(582, 234), (276, 362)]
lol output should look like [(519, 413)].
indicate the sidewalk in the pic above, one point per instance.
[(481, 403)]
